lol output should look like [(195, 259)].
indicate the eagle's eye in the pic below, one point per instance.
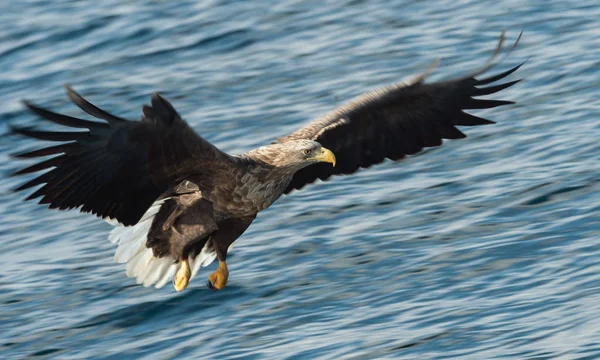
[(307, 151)]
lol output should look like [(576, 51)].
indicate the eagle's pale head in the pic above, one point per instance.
[(295, 154)]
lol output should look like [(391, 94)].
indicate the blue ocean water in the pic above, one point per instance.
[(485, 248)]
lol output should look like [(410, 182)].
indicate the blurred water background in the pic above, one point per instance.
[(485, 248)]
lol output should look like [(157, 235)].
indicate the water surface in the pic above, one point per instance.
[(485, 248)]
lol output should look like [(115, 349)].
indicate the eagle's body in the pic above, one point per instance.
[(178, 202)]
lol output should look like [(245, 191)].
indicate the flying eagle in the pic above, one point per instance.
[(178, 202)]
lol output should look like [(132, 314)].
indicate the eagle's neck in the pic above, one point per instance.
[(260, 183), (265, 184), (256, 186)]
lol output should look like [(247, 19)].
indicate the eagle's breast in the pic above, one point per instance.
[(250, 192)]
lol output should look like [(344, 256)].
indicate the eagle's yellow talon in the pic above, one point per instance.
[(218, 279), (182, 277)]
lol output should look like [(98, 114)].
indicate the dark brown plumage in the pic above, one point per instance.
[(179, 202)]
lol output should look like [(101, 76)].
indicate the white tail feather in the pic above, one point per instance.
[(158, 268), (167, 275), (141, 263), (203, 259)]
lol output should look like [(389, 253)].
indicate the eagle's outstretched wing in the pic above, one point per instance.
[(116, 168), (398, 120)]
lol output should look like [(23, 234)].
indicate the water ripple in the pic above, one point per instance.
[(483, 248)]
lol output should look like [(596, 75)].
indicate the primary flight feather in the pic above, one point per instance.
[(178, 202)]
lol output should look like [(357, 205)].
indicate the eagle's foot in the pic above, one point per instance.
[(218, 279), (182, 277)]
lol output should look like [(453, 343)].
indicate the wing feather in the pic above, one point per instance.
[(400, 120), (92, 109), (116, 168)]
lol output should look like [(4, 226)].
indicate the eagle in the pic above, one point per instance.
[(177, 202)]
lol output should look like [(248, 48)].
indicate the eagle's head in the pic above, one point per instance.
[(308, 152), (295, 154)]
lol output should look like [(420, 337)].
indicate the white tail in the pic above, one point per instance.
[(141, 263)]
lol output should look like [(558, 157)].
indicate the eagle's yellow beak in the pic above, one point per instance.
[(325, 156)]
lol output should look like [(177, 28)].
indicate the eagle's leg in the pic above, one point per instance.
[(182, 277), (218, 279), (229, 230)]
